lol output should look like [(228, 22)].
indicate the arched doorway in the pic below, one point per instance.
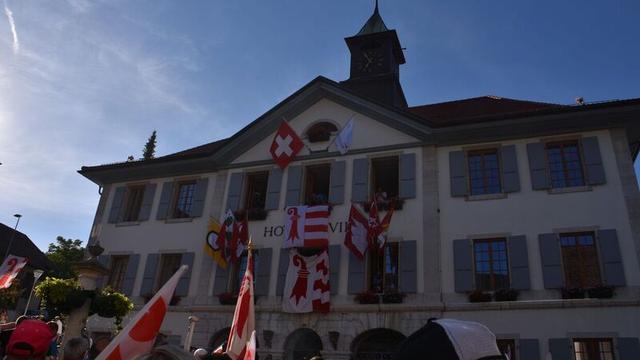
[(302, 344), (376, 344), (219, 337)]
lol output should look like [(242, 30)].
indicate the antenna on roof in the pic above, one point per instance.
[(580, 100)]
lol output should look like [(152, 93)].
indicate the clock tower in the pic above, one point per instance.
[(376, 56)]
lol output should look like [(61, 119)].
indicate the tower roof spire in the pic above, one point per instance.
[(375, 24)]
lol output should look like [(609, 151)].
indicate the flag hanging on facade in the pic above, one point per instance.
[(355, 238), (215, 245), (344, 139), (307, 287), (10, 269), (374, 229), (381, 238), (138, 336), (286, 144), (244, 316), (306, 226), (239, 239), (250, 354)]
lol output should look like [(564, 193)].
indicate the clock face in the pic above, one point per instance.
[(371, 60)]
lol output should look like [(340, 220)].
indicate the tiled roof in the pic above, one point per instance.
[(22, 246), (473, 109)]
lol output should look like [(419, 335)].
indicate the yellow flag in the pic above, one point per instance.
[(211, 245)]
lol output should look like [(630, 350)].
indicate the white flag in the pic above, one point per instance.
[(138, 336), (345, 137)]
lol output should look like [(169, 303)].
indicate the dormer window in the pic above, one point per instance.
[(321, 131)]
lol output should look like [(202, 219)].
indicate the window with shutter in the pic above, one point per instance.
[(580, 260), (118, 270), (256, 193), (183, 199), (237, 270), (491, 264), (565, 164), (383, 269), (385, 180), (593, 349), (316, 187), (507, 347), (484, 172), (132, 202), (169, 264)]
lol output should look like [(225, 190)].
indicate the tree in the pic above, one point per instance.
[(62, 254), (149, 151)]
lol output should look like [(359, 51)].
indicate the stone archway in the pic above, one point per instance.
[(376, 344), (219, 337), (302, 344)]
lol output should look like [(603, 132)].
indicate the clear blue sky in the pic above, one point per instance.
[(85, 82)]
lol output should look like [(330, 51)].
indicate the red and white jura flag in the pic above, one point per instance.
[(307, 287), (306, 226), (250, 354), (244, 322), (138, 336), (286, 144), (10, 269), (355, 239)]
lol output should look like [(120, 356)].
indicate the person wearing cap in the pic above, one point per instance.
[(30, 340)]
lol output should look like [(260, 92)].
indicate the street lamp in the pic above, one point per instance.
[(36, 275), (15, 228)]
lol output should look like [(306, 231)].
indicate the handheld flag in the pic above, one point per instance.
[(10, 269), (251, 347), (286, 144), (138, 336), (214, 245), (344, 139), (355, 238), (244, 316)]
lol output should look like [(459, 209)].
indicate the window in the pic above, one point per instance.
[(565, 166), (593, 349), (383, 269), (256, 194), (484, 172), (132, 203), (118, 271), (385, 173), (317, 184), (238, 269), (507, 347), (320, 132), (491, 264), (580, 260), (169, 264), (183, 200)]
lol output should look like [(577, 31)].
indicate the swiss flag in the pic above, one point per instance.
[(286, 144)]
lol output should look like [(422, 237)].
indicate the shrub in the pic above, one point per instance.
[(479, 296), (110, 303), (506, 295), (367, 297), (61, 296)]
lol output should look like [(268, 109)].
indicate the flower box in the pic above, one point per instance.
[(479, 296), (573, 293), (367, 297), (506, 295), (393, 298), (227, 298), (601, 292)]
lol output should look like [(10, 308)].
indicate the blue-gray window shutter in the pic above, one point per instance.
[(149, 277), (334, 267), (458, 174), (407, 266), (360, 180), (165, 200), (561, 349), (130, 274), (463, 265), (199, 197), (510, 175), (221, 280), (182, 289), (612, 269), (407, 179), (529, 349), (538, 166), (594, 170), (336, 181), (628, 348), (147, 201), (105, 261), (356, 274), (116, 204), (283, 267), (236, 182), (273, 189), (263, 271), (551, 260), (519, 263), (294, 186)]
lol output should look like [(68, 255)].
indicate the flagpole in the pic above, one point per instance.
[(338, 133)]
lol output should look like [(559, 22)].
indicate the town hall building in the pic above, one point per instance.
[(521, 215)]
